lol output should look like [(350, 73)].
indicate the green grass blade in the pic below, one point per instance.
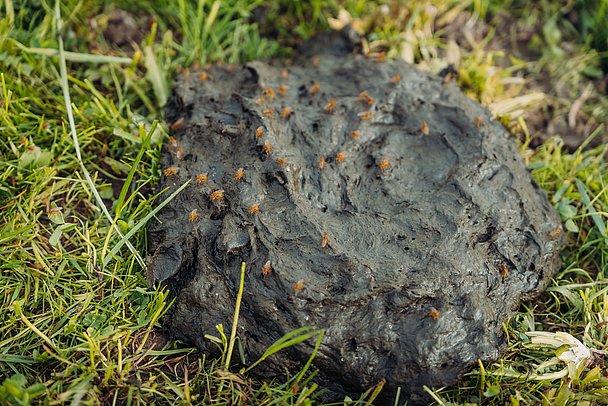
[(68, 105), (156, 76), (215, 8), (125, 239), (235, 322), (10, 11), (312, 355), (292, 338), (76, 56), (127, 185), (597, 219)]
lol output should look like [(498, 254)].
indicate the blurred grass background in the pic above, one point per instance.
[(74, 331)]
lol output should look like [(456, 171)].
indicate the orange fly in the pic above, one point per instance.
[(380, 57), (365, 98), (322, 162), (177, 124), (365, 115), (329, 106), (556, 232), (259, 132), (424, 128), (268, 92), (282, 90), (325, 240), (260, 100), (286, 112), (193, 216), (266, 269), (504, 270), (171, 171), (217, 196), (239, 174), (254, 208)]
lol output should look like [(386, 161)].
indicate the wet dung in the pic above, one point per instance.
[(367, 198)]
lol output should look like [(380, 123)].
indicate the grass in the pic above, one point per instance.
[(79, 322)]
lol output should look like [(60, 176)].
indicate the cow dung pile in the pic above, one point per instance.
[(368, 199)]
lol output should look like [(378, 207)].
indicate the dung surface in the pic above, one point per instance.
[(401, 220)]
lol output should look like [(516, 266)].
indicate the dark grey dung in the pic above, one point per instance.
[(402, 220)]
